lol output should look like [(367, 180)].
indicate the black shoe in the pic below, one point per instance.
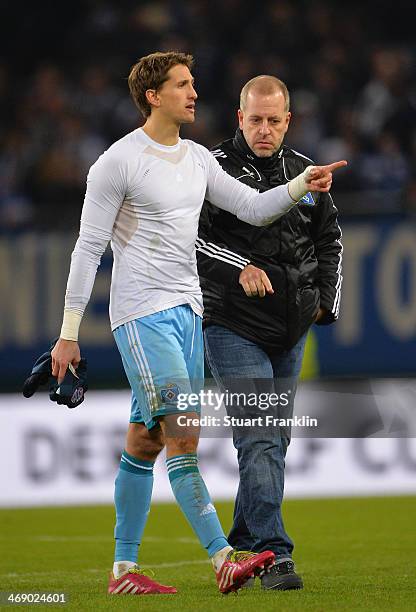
[(281, 577), (249, 584)]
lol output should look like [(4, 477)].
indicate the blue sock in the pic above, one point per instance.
[(193, 498), (133, 492)]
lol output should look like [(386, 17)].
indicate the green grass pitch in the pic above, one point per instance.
[(354, 554)]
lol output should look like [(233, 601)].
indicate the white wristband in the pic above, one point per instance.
[(70, 325), (297, 187)]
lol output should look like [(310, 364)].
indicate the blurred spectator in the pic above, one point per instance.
[(16, 207), (64, 95), (381, 95), (96, 98), (306, 129)]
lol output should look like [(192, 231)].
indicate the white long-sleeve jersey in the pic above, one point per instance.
[(146, 198)]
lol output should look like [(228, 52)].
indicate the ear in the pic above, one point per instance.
[(152, 97), (288, 117), (240, 118)]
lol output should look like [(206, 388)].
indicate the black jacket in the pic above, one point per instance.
[(301, 253)]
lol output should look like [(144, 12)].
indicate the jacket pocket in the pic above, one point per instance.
[(308, 306)]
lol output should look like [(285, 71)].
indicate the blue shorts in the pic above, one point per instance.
[(163, 357)]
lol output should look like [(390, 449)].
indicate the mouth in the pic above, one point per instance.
[(190, 107)]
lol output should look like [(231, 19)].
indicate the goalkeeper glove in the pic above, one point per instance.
[(72, 389)]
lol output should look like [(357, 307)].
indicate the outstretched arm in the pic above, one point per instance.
[(264, 208)]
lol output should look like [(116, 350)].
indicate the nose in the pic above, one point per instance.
[(264, 127), (194, 95)]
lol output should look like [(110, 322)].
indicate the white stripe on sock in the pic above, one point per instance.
[(181, 460), (173, 460), (143, 467), (180, 467)]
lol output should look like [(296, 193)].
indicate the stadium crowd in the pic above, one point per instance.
[(64, 95)]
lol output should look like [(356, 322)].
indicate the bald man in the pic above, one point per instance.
[(263, 288)]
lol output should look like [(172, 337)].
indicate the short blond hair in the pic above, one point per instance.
[(264, 85), (151, 72)]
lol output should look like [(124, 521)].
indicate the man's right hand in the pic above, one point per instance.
[(255, 281), (65, 352)]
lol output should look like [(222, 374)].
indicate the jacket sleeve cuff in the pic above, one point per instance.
[(329, 317)]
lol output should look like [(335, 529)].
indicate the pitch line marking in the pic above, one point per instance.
[(102, 571), (151, 539)]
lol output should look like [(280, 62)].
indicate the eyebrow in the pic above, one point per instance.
[(187, 81), (260, 117)]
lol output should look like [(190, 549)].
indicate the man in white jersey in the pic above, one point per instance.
[(145, 194)]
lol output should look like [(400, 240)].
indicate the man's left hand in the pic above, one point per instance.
[(321, 313)]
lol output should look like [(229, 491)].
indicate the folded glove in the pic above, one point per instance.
[(72, 389)]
